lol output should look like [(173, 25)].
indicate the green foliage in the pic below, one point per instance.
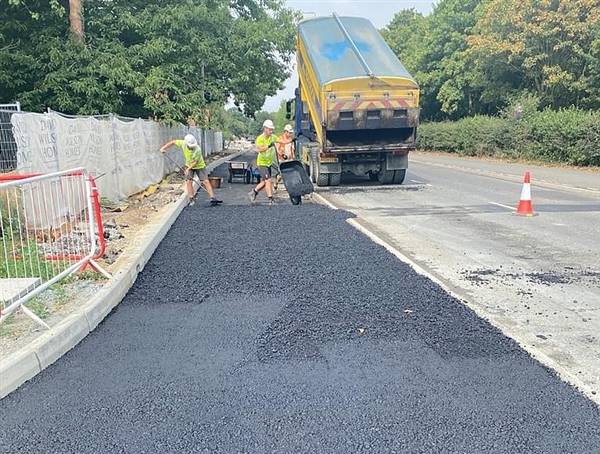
[(173, 60), (10, 221), (473, 57), (527, 105), (23, 259), (568, 136), (279, 119), (433, 50), (87, 275), (233, 122), (38, 307), (405, 35), (438, 136), (473, 136), (20, 257), (543, 47)]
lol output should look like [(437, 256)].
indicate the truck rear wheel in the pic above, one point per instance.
[(392, 176), (329, 179), (322, 179), (399, 177), (386, 176), (335, 179)]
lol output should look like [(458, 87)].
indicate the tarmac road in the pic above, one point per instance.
[(536, 278), (263, 329)]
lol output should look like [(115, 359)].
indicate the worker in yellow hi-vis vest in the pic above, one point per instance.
[(265, 147), (194, 165)]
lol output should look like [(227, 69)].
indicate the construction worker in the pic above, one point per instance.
[(285, 149), (194, 165), (265, 147)]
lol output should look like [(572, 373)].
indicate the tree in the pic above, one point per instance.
[(546, 47), (453, 77), (407, 34), (235, 123), (433, 50), (76, 19), (169, 59)]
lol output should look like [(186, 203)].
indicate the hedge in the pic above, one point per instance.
[(569, 136)]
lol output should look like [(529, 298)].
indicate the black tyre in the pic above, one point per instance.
[(296, 200), (399, 177), (386, 176), (335, 179), (321, 179)]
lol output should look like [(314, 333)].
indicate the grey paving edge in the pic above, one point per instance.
[(27, 362)]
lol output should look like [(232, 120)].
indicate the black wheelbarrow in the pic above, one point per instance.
[(296, 180)]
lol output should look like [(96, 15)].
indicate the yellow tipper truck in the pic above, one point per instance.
[(356, 105)]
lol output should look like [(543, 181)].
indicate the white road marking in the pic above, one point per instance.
[(503, 206)]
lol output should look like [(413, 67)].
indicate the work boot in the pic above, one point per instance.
[(252, 195)]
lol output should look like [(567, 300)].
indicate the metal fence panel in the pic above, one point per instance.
[(8, 145), (50, 227)]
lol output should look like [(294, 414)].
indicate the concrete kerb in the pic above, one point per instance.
[(27, 362)]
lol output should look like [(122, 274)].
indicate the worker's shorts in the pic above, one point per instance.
[(265, 172), (202, 175)]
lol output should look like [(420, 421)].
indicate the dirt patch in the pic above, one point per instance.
[(124, 224)]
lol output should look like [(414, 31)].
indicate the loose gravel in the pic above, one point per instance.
[(276, 329)]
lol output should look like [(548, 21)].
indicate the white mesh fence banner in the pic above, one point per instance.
[(121, 153)]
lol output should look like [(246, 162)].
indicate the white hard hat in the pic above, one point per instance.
[(288, 128), (268, 124), (190, 140)]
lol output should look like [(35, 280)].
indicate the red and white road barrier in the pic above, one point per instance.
[(51, 227)]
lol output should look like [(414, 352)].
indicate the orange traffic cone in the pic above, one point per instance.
[(525, 208)]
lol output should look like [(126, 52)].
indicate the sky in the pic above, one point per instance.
[(379, 12)]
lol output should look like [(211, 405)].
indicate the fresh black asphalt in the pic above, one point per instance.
[(282, 329)]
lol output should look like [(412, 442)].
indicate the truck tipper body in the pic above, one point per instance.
[(356, 105)]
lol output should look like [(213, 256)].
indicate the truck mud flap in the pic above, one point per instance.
[(393, 162), (296, 180)]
